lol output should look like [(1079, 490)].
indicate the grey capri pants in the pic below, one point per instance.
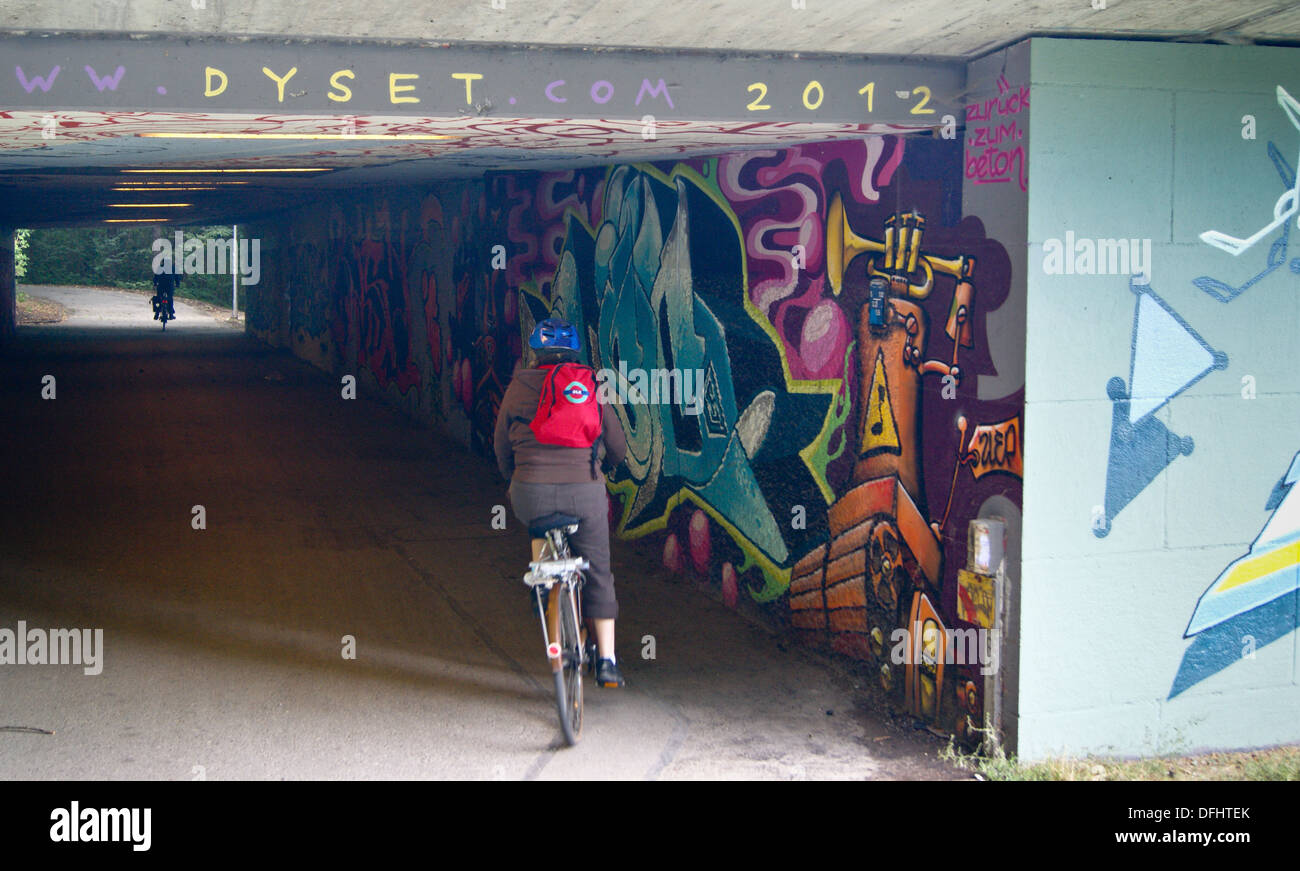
[(588, 501)]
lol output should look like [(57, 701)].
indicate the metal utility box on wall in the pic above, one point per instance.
[(981, 600)]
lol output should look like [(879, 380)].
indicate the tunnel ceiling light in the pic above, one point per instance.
[(279, 169), (163, 190), (135, 220), (164, 185), (332, 136), (149, 205)]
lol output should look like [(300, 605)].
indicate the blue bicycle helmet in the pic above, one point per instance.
[(554, 334)]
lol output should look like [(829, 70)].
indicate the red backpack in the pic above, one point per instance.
[(568, 412)]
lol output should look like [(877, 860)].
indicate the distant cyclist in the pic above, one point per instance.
[(547, 477), (164, 289)]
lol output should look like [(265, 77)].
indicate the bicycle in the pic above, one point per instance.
[(164, 311), (556, 576)]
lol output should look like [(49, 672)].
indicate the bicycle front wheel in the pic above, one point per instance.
[(568, 680)]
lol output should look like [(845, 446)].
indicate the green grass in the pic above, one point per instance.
[(1279, 763), (1279, 767)]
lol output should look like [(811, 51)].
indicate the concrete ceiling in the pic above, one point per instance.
[(103, 126), (69, 177), (110, 167), (939, 28)]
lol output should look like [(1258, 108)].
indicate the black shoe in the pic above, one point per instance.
[(608, 675)]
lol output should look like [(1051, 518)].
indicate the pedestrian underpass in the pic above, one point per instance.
[(298, 581), (842, 245)]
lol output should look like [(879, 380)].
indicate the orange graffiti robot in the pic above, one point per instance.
[(882, 566)]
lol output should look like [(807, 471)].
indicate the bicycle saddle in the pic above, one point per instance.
[(542, 525)]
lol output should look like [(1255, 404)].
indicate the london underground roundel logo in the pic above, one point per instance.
[(576, 392)]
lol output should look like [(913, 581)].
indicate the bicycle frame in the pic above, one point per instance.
[(561, 575)]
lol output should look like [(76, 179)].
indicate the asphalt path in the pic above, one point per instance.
[(329, 522), (97, 307)]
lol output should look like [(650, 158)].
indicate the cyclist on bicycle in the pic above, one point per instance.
[(164, 287), (546, 478)]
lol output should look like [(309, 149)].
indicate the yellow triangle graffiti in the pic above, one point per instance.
[(879, 430)]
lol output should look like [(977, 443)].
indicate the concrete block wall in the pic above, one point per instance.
[(1160, 533), (995, 186)]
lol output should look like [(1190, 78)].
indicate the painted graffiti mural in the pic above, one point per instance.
[(1167, 358), (994, 150), (1224, 292), (840, 449), (480, 349), (832, 300), (893, 540), (844, 304), (365, 287), (1253, 602), (663, 303), (1287, 205)]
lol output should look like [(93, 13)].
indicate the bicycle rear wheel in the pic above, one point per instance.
[(568, 680)]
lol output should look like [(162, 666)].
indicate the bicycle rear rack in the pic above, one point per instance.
[(548, 572)]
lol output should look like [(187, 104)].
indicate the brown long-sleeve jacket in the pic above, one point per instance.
[(521, 456)]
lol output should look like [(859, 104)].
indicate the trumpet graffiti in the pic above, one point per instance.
[(885, 554)]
